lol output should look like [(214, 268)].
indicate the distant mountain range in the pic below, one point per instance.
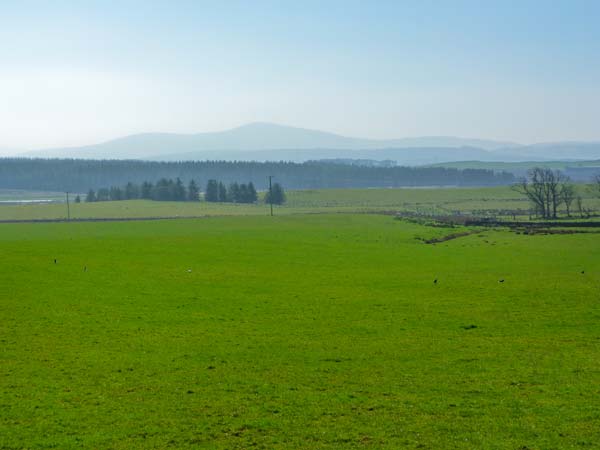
[(268, 142)]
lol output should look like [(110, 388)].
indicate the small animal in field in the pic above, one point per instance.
[(582, 272), (435, 281), (501, 281), (54, 260)]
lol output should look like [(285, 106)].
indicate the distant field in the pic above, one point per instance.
[(524, 165), (579, 171), (424, 200), (7, 195), (303, 331)]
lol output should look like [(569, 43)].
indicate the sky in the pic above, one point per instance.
[(82, 72)]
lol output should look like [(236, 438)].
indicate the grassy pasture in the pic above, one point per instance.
[(428, 201), (303, 331)]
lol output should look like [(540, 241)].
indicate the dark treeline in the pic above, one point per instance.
[(79, 175), (236, 193), (174, 190), (163, 190)]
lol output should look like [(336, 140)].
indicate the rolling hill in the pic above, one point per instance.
[(251, 140), (271, 142)]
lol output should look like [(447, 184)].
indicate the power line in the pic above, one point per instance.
[(271, 194), (68, 208)]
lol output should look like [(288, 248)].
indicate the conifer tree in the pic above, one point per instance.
[(212, 191), (234, 193), (193, 193), (222, 192), (146, 190), (178, 191), (276, 196), (252, 195)]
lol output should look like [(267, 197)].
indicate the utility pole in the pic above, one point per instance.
[(271, 194), (68, 208)]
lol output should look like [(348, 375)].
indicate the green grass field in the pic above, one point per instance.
[(426, 201), (297, 331)]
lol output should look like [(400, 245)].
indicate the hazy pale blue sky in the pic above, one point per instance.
[(79, 72)]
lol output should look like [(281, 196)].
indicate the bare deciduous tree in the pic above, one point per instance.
[(567, 195), (580, 206), (543, 188)]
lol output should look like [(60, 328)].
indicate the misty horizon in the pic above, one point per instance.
[(501, 142)]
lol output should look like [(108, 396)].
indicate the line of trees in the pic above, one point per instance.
[(164, 190), (174, 190), (78, 175), (236, 193)]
